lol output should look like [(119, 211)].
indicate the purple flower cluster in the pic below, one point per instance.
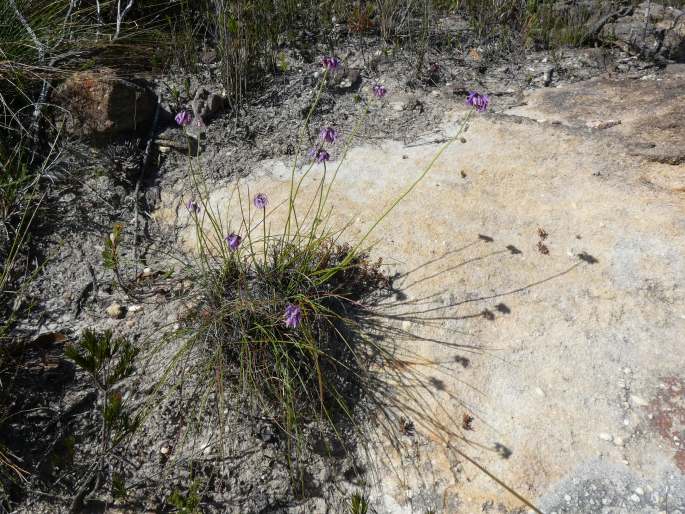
[(233, 241), (260, 201), (184, 118), (328, 135), (379, 90), (331, 63), (319, 155), (192, 206), (293, 315), (480, 102)]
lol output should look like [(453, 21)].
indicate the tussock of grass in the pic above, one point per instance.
[(304, 373)]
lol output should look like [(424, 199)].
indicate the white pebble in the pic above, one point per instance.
[(618, 441), (164, 450), (635, 498), (605, 437), (567, 498), (638, 401), (115, 311), (639, 491), (539, 391)]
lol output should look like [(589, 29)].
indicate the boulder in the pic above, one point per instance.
[(651, 30), (101, 104)]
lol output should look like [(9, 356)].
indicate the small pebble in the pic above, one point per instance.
[(539, 391), (639, 491), (635, 498), (605, 437), (147, 272), (567, 498), (638, 401), (164, 450), (115, 311), (135, 308), (618, 441)]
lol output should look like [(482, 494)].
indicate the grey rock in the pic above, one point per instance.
[(651, 30), (207, 105), (348, 80)]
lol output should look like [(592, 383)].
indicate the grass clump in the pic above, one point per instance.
[(359, 504), (538, 23), (284, 327)]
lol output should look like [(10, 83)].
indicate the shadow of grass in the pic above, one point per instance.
[(404, 388)]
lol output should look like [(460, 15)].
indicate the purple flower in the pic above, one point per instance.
[(233, 241), (480, 102), (260, 201), (184, 118), (330, 63), (319, 155), (328, 134), (293, 315), (379, 90), (193, 207)]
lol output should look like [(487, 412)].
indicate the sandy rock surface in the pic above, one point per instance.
[(541, 266)]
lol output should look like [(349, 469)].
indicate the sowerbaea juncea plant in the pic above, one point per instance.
[(283, 317)]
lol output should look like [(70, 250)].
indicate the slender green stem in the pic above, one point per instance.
[(326, 276)]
